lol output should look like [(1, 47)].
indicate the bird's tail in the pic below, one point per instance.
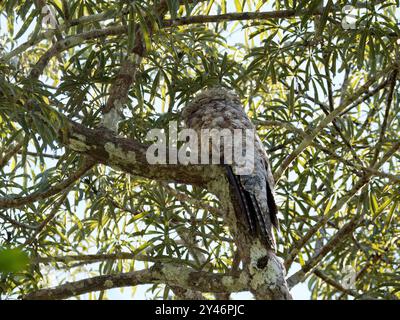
[(258, 222)]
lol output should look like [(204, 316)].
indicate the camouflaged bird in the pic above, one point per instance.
[(218, 108)]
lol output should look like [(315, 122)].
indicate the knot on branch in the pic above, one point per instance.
[(262, 263)]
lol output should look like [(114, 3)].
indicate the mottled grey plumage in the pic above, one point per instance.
[(218, 108)]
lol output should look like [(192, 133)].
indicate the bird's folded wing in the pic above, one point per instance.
[(259, 222)]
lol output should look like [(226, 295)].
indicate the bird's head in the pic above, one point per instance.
[(205, 98)]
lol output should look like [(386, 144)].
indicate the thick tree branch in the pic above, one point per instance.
[(120, 88), (170, 274), (264, 269), (130, 156)]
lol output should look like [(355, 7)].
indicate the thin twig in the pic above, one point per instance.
[(328, 119), (49, 217), (390, 95), (17, 223), (16, 202), (341, 202)]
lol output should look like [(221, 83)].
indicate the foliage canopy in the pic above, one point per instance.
[(292, 63)]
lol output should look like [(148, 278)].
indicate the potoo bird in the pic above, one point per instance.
[(253, 192)]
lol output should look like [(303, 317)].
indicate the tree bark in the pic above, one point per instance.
[(264, 270)]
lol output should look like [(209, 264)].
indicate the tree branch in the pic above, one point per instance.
[(49, 217), (83, 259), (236, 16), (328, 119), (70, 42), (360, 169), (265, 271), (17, 223), (378, 147), (15, 202), (170, 274), (48, 34), (370, 93), (320, 274), (12, 152), (345, 231), (342, 201), (130, 156)]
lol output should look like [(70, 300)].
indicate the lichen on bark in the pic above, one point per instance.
[(262, 269), (116, 152)]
